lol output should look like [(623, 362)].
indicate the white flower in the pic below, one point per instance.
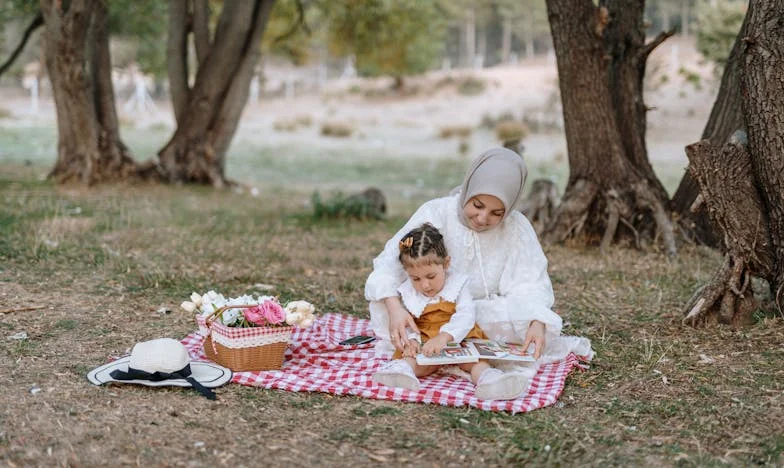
[(303, 307), (293, 318), (211, 302), (230, 316), (188, 306), (196, 299), (300, 313)]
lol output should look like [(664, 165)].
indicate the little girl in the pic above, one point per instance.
[(443, 310)]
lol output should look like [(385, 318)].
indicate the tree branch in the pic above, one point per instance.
[(299, 22), (176, 54), (663, 36), (37, 22), (201, 28)]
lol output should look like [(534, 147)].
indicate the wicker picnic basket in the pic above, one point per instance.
[(243, 349)]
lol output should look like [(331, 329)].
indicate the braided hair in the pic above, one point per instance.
[(424, 241)]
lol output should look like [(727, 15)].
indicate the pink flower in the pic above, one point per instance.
[(255, 315), (268, 312), (273, 312)]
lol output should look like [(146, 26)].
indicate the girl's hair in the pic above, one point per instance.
[(422, 242)]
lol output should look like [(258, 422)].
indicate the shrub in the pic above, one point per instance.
[(461, 131), (337, 129), (510, 130), (340, 206), (471, 86)]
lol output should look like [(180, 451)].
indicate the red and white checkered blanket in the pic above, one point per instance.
[(316, 362)]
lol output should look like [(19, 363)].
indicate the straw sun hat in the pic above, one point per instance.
[(162, 362)]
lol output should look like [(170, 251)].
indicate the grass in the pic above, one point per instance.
[(102, 262)]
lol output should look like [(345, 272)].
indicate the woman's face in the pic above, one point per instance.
[(483, 212)]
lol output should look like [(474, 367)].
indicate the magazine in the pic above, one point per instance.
[(489, 349), (453, 353)]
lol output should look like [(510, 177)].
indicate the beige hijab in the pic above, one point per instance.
[(499, 172)]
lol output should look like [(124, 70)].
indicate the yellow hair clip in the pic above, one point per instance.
[(406, 243)]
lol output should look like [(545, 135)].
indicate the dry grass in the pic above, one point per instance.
[(658, 393)]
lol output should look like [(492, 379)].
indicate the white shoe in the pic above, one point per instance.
[(494, 384), (397, 374)]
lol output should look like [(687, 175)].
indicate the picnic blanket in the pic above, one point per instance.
[(316, 362)]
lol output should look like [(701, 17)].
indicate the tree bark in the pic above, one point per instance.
[(196, 151), (725, 118), (743, 187), (89, 149), (600, 54), (763, 83)]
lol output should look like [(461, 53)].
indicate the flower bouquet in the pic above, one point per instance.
[(246, 333)]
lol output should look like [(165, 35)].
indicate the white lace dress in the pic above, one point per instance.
[(507, 278)]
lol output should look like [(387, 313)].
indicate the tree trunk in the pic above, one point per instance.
[(506, 40), (743, 186), (177, 57), (470, 37), (612, 193), (763, 83), (725, 118), (89, 149), (210, 115)]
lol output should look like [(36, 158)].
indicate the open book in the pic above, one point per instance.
[(472, 350), (453, 353), (489, 349)]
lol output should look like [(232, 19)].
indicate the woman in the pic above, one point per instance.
[(493, 243)]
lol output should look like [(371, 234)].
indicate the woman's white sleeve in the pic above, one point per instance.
[(464, 318), (525, 284), (387, 272)]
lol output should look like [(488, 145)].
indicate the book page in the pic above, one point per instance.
[(489, 349), (453, 353)]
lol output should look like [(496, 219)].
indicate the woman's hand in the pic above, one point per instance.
[(399, 321), (436, 344), (535, 336)]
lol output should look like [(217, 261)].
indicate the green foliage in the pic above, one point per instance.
[(718, 28), (340, 206), (142, 25), (11, 10), (387, 37), (691, 77)]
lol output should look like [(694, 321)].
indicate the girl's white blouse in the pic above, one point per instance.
[(464, 318)]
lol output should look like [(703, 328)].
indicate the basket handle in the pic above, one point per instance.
[(214, 316)]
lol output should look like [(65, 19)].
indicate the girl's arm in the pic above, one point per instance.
[(464, 318)]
